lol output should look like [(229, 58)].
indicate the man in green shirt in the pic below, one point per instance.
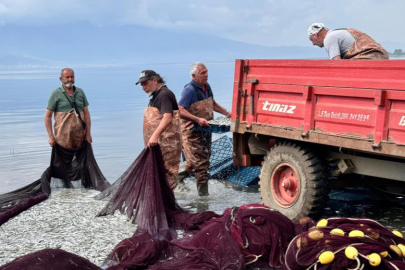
[(72, 117)]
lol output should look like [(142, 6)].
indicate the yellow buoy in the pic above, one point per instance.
[(384, 253), (326, 257), (351, 252), (337, 232), (373, 234), (302, 242), (374, 259), (356, 233), (322, 223), (397, 233), (315, 235), (396, 249), (402, 248)]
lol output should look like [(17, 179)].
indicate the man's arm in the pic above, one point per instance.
[(337, 57), (166, 120), (48, 126), (218, 108), (188, 116), (87, 120)]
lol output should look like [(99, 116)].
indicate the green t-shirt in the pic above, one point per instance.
[(58, 101)]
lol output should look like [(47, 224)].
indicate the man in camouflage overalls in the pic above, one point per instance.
[(346, 43), (161, 123), (197, 105)]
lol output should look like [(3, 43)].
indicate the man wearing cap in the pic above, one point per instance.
[(161, 124), (72, 116), (197, 105), (345, 43)]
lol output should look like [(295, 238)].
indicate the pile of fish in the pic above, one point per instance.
[(66, 220)]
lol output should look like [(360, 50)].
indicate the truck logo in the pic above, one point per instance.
[(402, 121), (281, 108)]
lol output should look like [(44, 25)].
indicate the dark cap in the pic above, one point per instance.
[(146, 75)]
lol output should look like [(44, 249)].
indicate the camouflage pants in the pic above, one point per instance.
[(197, 149)]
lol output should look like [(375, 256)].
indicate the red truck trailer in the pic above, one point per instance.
[(304, 121)]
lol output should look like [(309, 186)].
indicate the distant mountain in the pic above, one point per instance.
[(85, 44)]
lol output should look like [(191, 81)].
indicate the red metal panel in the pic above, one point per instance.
[(237, 88), (358, 74), (344, 114), (396, 121), (363, 100)]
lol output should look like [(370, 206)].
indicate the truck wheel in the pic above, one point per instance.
[(294, 181)]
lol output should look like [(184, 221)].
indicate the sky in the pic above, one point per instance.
[(262, 22)]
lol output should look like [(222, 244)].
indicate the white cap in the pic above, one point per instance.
[(315, 28)]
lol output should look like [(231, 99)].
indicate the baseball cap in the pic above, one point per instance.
[(315, 28), (146, 75)]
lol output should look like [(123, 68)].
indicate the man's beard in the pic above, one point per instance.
[(68, 85), (150, 93)]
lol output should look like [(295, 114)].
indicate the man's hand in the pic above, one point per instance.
[(228, 114), (202, 122), (51, 141), (153, 141), (89, 139)]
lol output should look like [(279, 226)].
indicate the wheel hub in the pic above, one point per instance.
[(285, 185), (288, 185)]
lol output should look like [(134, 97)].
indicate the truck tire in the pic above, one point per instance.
[(294, 181)]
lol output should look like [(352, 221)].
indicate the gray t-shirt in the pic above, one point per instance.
[(337, 42)]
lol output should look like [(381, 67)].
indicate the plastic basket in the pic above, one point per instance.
[(212, 128)]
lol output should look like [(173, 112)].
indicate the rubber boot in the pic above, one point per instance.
[(181, 176), (202, 189)]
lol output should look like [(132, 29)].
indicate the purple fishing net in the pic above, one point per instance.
[(144, 194), (250, 234), (50, 259), (305, 249)]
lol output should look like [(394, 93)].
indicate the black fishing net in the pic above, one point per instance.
[(67, 166)]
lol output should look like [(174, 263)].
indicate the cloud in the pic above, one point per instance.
[(265, 22)]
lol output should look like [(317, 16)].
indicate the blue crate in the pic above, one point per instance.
[(212, 128), (221, 164), (245, 176), (221, 152)]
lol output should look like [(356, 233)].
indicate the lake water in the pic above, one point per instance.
[(116, 108)]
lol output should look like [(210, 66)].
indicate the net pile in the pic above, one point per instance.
[(346, 243), (246, 236), (68, 165)]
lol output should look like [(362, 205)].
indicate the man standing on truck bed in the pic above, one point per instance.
[(197, 105), (346, 43)]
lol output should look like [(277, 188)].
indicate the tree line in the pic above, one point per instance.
[(398, 52)]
